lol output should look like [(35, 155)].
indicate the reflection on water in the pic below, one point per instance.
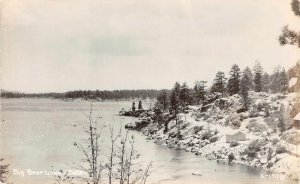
[(39, 133)]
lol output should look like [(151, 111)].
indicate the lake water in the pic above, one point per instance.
[(38, 134)]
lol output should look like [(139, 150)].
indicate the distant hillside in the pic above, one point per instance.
[(87, 94)]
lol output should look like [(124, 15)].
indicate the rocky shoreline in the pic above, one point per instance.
[(204, 133)]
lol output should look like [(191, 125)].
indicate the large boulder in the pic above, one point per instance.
[(137, 113), (137, 125), (263, 159), (205, 108), (295, 73)]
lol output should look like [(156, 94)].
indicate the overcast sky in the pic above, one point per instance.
[(60, 45)]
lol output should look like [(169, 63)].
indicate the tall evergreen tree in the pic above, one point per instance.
[(196, 95), (175, 104), (275, 84), (248, 72), (258, 72), (184, 95), (245, 88), (140, 107), (284, 81), (219, 83), (133, 106), (233, 85), (266, 82), (199, 90), (162, 100), (175, 99)]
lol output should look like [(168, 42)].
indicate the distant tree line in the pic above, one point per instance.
[(111, 95), (8, 94), (88, 94)]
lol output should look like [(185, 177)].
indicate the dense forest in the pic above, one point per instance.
[(87, 94)]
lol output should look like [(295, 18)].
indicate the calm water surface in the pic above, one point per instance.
[(38, 134)]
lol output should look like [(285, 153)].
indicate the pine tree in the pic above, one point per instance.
[(219, 83), (133, 106), (199, 90), (248, 72), (184, 95), (275, 84), (258, 72), (162, 100), (284, 81), (266, 82), (197, 97), (140, 107), (234, 80), (175, 104), (245, 88), (175, 99), (289, 36)]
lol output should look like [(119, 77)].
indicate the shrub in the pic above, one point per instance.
[(185, 125), (267, 111), (236, 123), (197, 129), (253, 113), (257, 144), (270, 164), (256, 127), (172, 126), (250, 152), (270, 121), (260, 106), (253, 148), (275, 141), (206, 135), (281, 149), (234, 143), (231, 157), (244, 116), (241, 110), (4, 171), (206, 116), (269, 154), (214, 139), (234, 120), (226, 122), (179, 136), (152, 129)]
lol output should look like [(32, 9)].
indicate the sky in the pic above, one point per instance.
[(61, 45)]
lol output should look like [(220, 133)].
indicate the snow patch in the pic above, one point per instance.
[(293, 81)]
